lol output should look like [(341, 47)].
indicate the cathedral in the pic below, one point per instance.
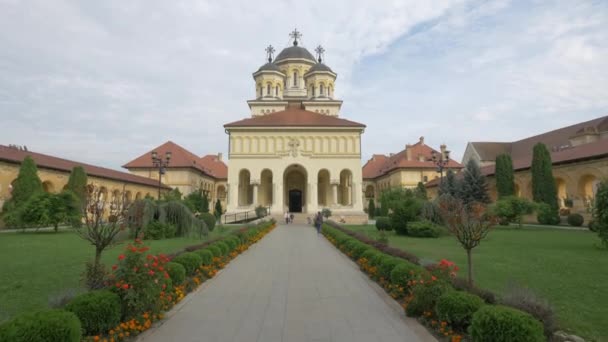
[(295, 153)]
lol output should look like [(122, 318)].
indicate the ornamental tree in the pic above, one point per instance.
[(513, 208), (544, 189), (474, 187), (450, 185), (371, 208), (469, 223), (44, 209), (421, 191), (218, 209), (600, 212), (205, 203), (505, 183), (77, 183), (27, 183)]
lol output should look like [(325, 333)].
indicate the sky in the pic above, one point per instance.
[(103, 82)]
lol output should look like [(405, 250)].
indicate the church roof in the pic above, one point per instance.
[(14, 155), (319, 67), (210, 165), (294, 117), (269, 67), (295, 52), (414, 156)]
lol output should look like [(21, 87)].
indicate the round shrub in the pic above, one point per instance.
[(425, 297), (206, 256), (575, 220), (190, 260), (349, 245), (177, 272), (369, 254), (231, 244), (386, 267), (423, 228), (457, 308), (497, 323), (156, 230), (403, 272), (215, 250), (98, 311), (209, 220), (223, 247), (378, 259), (358, 250), (383, 223), (42, 326), (545, 214)]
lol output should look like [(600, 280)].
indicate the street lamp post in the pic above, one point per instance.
[(441, 161), (161, 164)]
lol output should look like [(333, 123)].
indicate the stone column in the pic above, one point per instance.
[(313, 204), (278, 200), (255, 184), (353, 194), (334, 189)]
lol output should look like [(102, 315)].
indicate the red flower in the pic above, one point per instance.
[(121, 257), (114, 267), (125, 286), (151, 273)]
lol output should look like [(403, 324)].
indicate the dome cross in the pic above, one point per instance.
[(295, 34), (320, 51), (270, 52)]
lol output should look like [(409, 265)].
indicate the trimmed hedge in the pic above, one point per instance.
[(223, 247), (98, 311), (457, 308), (423, 229), (383, 223), (190, 260), (425, 298), (404, 272), (206, 256), (177, 272), (386, 267), (42, 326), (215, 250), (576, 220), (499, 323), (209, 220)]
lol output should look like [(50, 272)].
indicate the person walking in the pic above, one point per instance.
[(318, 222), (287, 218)]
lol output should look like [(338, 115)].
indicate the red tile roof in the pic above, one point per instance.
[(294, 117), (210, 165), (13, 155), (420, 156)]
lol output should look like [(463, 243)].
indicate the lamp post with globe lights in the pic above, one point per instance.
[(161, 164)]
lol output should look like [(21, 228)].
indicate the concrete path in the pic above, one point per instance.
[(291, 286)]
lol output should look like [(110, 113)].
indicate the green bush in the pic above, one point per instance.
[(378, 259), (177, 272), (206, 256), (98, 311), (404, 272), (497, 323), (190, 260), (404, 212), (358, 250), (223, 247), (457, 308), (423, 228), (369, 254), (156, 230), (349, 245), (215, 250), (575, 220), (42, 326), (386, 267), (425, 297), (383, 223), (546, 214), (209, 220)]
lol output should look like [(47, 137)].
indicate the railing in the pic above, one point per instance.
[(244, 216)]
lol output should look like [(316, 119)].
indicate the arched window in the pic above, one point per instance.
[(313, 91), (268, 89), (329, 91), (321, 89), (276, 91), (295, 78)]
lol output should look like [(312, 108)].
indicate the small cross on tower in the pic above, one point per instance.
[(270, 52), (320, 51), (295, 34)]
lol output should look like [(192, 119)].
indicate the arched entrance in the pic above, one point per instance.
[(295, 182)]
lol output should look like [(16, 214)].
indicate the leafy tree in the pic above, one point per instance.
[(44, 209), (371, 208), (390, 198), (218, 209), (513, 208), (173, 195), (544, 189), (205, 204), (77, 183), (505, 182), (421, 191), (469, 223), (194, 201), (600, 212), (450, 185), (474, 187), (27, 183), (405, 210)]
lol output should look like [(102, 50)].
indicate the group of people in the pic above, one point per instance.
[(318, 220)]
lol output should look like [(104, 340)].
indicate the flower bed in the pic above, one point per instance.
[(140, 288), (428, 293)]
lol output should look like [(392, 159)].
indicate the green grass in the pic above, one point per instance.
[(36, 266), (564, 266)]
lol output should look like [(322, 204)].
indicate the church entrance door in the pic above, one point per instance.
[(295, 201)]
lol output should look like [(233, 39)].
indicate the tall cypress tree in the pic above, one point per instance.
[(371, 208), (474, 187), (505, 183), (27, 183), (450, 185), (421, 191), (544, 189), (77, 183)]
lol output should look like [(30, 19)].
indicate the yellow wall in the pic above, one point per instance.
[(401, 178)]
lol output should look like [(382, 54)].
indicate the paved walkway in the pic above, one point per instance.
[(291, 286)]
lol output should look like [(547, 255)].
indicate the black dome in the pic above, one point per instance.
[(295, 52), (319, 67), (269, 67)]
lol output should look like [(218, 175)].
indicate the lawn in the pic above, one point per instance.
[(37, 266), (564, 266)]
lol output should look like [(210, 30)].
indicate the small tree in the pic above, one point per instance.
[(513, 209), (404, 212), (218, 209), (474, 187), (173, 195), (98, 230), (77, 183), (421, 191), (600, 212), (450, 185), (205, 203), (544, 189), (45, 209), (505, 181), (27, 183), (469, 223), (371, 208), (326, 212)]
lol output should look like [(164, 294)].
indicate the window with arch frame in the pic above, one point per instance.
[(321, 89), (295, 78), (276, 91), (268, 89)]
